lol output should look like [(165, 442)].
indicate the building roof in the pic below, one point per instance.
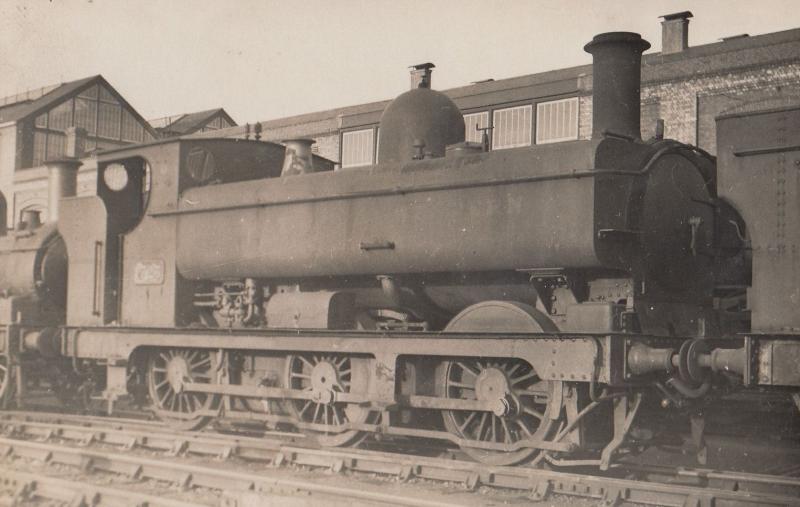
[(725, 56), (188, 123), (35, 102), (16, 111)]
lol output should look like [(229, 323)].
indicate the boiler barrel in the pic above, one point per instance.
[(497, 211)]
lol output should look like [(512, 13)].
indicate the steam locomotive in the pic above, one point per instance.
[(521, 304)]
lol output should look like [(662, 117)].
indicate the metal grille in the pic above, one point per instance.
[(357, 148), (512, 127), (474, 121), (557, 121)]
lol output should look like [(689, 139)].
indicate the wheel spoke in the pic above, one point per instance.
[(305, 407), (306, 361), (506, 431), (534, 413), (467, 420), (462, 385), (468, 369), (514, 369), (479, 434), (202, 362), (162, 400), (523, 378), (523, 427)]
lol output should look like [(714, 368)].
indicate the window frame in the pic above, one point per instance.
[(577, 117), (488, 113), (353, 130), (508, 106)]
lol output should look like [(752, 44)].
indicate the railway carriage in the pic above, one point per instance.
[(523, 304)]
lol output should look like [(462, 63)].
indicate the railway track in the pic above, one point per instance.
[(93, 444)]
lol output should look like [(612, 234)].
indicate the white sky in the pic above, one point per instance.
[(264, 59)]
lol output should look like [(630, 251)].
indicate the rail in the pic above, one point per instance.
[(277, 451)]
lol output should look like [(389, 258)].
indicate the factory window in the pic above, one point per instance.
[(358, 148), (108, 121), (106, 95), (56, 145), (512, 127), (86, 115), (98, 112), (61, 116), (474, 121), (90, 93), (39, 148), (132, 130), (557, 121)]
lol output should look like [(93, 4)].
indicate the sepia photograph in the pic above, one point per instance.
[(399, 253)]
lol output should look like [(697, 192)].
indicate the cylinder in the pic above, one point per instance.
[(62, 182), (298, 158), (616, 83)]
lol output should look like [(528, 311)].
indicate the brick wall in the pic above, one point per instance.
[(688, 107)]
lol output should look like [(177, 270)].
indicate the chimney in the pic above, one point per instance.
[(62, 178), (616, 83), (298, 158), (675, 32), (421, 75)]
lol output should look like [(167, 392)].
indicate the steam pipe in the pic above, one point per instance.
[(616, 83)]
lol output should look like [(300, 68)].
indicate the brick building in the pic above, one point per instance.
[(685, 86)]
